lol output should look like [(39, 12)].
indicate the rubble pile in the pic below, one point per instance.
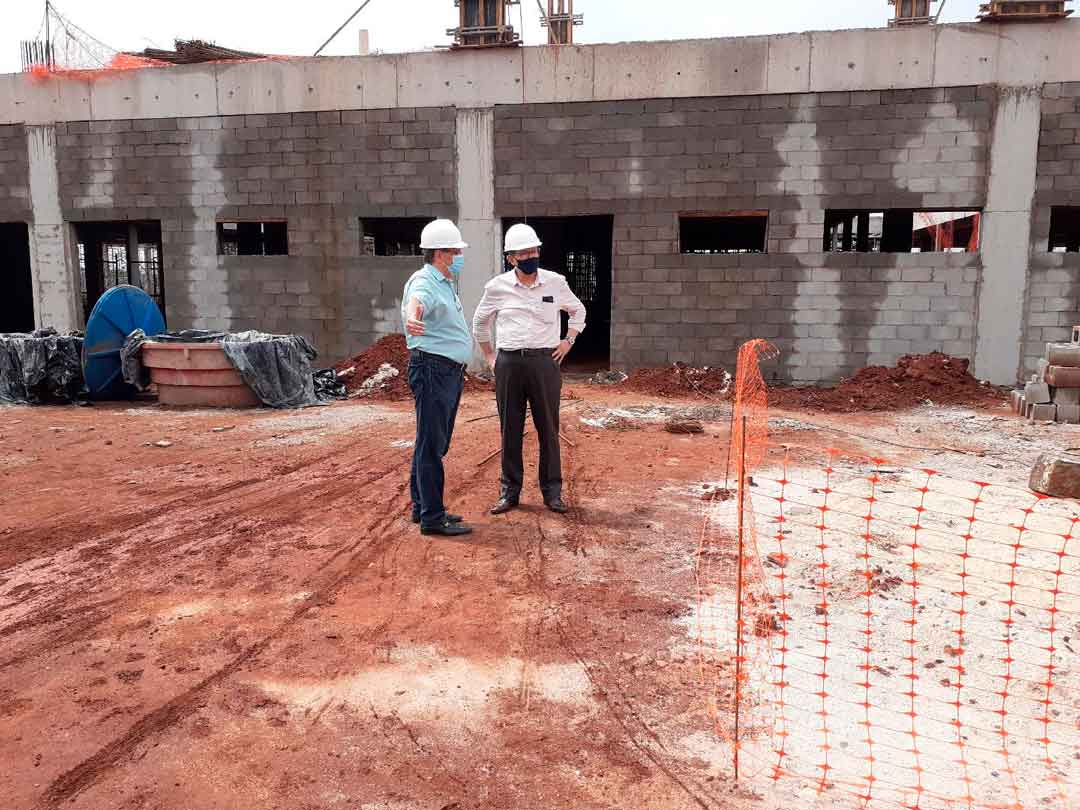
[(679, 380), (917, 379), (1053, 392), (382, 372)]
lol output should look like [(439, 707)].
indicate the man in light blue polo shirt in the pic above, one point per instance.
[(440, 345)]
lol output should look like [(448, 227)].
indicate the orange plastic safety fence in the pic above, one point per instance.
[(117, 63), (890, 637)]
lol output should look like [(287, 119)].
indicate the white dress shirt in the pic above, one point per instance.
[(528, 316)]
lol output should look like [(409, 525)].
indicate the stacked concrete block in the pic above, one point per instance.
[(1053, 392), (320, 171), (1053, 300), (795, 156), (14, 175)]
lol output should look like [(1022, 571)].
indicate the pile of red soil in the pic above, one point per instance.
[(680, 380), (917, 378), (393, 351)]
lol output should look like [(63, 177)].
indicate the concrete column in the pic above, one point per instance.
[(51, 264), (475, 156), (1006, 234), (134, 268)]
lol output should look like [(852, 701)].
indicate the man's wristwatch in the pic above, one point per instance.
[(570, 340)]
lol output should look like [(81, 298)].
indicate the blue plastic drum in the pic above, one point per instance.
[(118, 313)]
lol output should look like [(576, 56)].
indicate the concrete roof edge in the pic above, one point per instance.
[(942, 55)]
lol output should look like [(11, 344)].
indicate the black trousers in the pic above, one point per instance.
[(532, 379)]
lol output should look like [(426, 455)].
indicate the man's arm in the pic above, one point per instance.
[(417, 302), (414, 321), (572, 306), (483, 318)]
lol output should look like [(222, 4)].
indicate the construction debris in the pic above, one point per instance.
[(1056, 476), (915, 380), (680, 379), (681, 425), (1053, 392), (356, 372), (195, 51), (378, 380), (607, 378), (717, 493)]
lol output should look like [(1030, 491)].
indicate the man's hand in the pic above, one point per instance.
[(561, 351), (415, 324), (489, 358)]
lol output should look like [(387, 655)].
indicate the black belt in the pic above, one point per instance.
[(528, 352), (438, 358)]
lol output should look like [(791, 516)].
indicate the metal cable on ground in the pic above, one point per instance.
[(342, 27)]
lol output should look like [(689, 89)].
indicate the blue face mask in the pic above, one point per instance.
[(457, 264)]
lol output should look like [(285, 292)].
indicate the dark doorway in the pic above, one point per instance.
[(16, 287), (114, 253), (580, 249)]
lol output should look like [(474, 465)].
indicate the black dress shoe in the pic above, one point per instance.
[(504, 504), (449, 517), (447, 529), (557, 505)]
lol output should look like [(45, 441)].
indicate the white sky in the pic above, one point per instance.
[(407, 25)]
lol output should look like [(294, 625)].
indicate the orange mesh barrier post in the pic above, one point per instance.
[(739, 590), (903, 638), (750, 423)]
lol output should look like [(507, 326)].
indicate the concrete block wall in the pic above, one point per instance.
[(320, 171), (1053, 295), (14, 175), (795, 155)]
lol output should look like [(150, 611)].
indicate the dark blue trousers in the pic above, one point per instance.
[(436, 384)]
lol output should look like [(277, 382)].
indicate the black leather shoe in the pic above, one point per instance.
[(449, 518), (447, 529), (557, 505), (504, 504)]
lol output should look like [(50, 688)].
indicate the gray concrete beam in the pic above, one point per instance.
[(825, 61)]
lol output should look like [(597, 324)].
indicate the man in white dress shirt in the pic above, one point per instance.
[(525, 302)]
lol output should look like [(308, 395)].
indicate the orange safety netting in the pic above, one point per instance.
[(890, 636), (119, 62)]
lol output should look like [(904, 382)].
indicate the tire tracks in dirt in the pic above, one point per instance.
[(619, 705), (42, 540), (193, 526), (422, 758), (78, 779)]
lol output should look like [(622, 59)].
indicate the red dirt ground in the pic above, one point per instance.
[(937, 377), (247, 619), (391, 349)]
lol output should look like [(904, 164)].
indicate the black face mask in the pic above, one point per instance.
[(529, 266)]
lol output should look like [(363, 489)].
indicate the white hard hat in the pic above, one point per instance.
[(441, 234), (520, 237)]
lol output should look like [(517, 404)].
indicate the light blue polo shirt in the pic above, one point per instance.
[(445, 330)]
